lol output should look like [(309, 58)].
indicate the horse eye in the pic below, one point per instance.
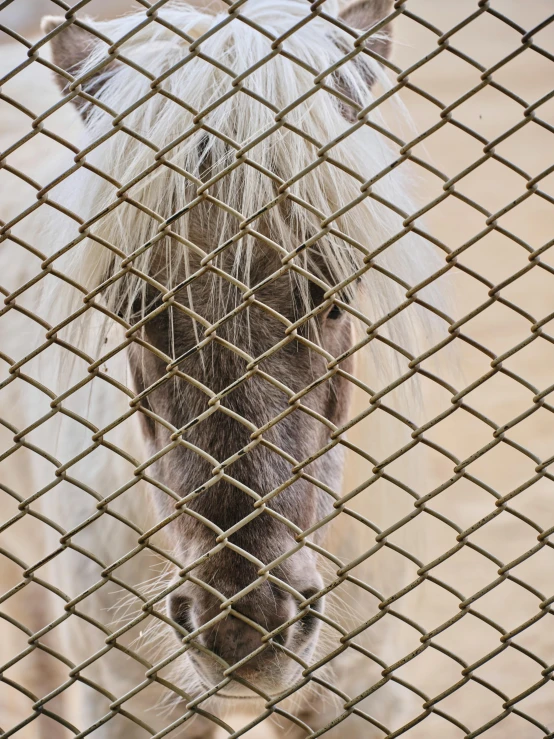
[(334, 313)]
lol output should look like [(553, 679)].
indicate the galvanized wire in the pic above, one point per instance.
[(459, 402)]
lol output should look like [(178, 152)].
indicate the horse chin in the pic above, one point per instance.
[(268, 683), (239, 692)]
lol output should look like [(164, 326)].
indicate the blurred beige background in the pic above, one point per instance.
[(24, 15), (495, 257), (489, 261)]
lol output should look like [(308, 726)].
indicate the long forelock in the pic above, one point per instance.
[(215, 145)]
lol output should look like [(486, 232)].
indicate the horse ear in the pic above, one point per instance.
[(364, 14), (70, 48)]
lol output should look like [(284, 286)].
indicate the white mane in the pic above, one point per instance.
[(216, 136)]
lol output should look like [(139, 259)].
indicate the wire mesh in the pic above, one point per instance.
[(372, 649)]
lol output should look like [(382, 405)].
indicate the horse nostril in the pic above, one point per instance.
[(179, 610), (310, 621), (317, 604), (280, 638)]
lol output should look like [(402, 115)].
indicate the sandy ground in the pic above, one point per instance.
[(494, 549)]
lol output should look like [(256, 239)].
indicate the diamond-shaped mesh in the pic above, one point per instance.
[(435, 557)]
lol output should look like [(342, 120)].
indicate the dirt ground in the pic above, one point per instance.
[(505, 549)]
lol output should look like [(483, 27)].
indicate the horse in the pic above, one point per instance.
[(181, 382)]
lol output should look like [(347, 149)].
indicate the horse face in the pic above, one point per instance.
[(242, 425), (237, 406)]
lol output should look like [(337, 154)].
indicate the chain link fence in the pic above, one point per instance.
[(275, 414)]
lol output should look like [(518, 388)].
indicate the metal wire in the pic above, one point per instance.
[(445, 115)]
